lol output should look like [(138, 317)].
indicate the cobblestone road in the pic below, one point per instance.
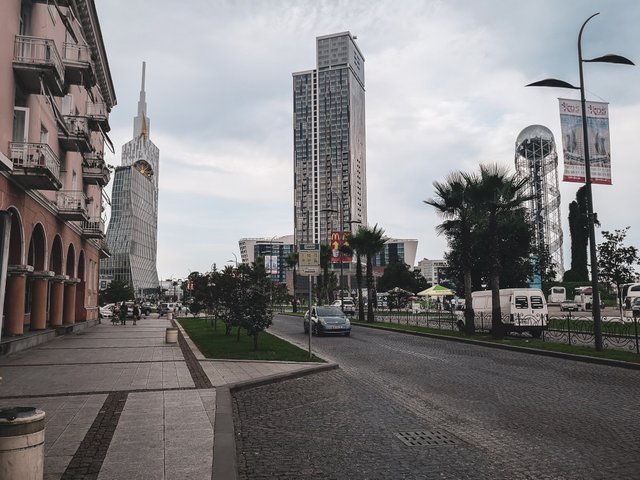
[(510, 415)]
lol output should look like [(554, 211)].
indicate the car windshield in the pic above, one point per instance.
[(329, 312)]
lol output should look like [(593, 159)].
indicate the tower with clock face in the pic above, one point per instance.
[(132, 234)]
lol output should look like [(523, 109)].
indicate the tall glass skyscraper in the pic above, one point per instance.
[(329, 142), (132, 235)]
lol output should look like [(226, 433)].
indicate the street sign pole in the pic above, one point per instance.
[(309, 261)]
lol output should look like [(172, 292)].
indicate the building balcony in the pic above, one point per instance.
[(36, 61), (35, 166), (94, 169), (78, 138), (78, 69), (98, 116), (72, 205), (93, 228)]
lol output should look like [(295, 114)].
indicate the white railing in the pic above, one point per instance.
[(76, 53), (94, 225), (73, 200), (38, 51), (97, 110), (34, 155), (77, 126)]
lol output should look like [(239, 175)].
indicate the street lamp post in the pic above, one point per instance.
[(552, 82)]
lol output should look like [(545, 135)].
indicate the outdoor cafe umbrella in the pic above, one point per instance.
[(436, 291)]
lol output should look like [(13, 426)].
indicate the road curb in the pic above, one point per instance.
[(514, 348)]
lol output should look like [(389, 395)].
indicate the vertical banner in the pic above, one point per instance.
[(573, 144), (271, 264)]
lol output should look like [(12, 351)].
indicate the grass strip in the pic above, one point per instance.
[(213, 343), (519, 342)]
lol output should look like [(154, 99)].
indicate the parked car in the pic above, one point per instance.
[(635, 307), (327, 319), (569, 306), (346, 304), (165, 308), (106, 311)]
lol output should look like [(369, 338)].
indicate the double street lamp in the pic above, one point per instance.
[(553, 82)]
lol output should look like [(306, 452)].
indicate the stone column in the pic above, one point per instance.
[(57, 300), (14, 298), (69, 313), (39, 287)]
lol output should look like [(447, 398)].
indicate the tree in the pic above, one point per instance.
[(292, 263), (616, 261), (496, 195), (397, 274), (453, 203), (373, 242), (357, 243), (117, 291)]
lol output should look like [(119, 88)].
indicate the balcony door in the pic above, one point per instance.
[(20, 124)]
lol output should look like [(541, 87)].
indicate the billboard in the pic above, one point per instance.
[(573, 144), (338, 239)]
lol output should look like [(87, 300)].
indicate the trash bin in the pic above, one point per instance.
[(169, 315), (171, 336), (21, 443)]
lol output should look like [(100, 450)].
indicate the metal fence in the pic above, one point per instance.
[(619, 333)]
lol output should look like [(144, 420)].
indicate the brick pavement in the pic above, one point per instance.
[(120, 403)]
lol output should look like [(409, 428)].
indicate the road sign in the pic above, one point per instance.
[(309, 259)]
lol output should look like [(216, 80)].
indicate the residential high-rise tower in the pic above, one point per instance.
[(329, 142), (132, 235)]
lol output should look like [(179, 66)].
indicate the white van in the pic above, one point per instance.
[(557, 295), (522, 309)]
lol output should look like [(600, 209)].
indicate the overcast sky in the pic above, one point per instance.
[(444, 91)]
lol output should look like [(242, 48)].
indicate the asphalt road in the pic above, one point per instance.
[(490, 414)]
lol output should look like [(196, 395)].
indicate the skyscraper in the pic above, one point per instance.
[(132, 235), (329, 141)]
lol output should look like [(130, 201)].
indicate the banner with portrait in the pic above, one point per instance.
[(573, 141)]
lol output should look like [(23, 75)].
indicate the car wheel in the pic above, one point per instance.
[(316, 331)]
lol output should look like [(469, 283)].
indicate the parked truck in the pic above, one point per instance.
[(522, 309)]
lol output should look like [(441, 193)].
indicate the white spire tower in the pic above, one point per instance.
[(142, 123)]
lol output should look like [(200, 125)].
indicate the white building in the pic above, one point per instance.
[(430, 269)]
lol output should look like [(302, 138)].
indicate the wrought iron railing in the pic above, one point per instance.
[(94, 160), (34, 155), (95, 225), (619, 333), (38, 51)]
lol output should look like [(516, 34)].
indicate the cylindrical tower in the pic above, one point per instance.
[(537, 161)]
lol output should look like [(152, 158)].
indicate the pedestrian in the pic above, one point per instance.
[(136, 313), (123, 313), (115, 316), (627, 303)]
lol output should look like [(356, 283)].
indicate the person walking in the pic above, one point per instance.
[(123, 313), (136, 312), (115, 316)]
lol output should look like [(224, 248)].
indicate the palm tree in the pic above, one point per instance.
[(292, 263), (453, 203), (373, 242), (498, 194), (357, 243)]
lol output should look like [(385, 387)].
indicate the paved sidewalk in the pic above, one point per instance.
[(121, 403)]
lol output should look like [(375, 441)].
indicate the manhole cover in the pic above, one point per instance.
[(433, 438)]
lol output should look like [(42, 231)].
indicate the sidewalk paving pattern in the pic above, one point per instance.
[(121, 403)]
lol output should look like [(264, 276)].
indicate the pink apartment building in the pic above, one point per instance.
[(56, 93)]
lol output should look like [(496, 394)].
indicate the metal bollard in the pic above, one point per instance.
[(22, 443)]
